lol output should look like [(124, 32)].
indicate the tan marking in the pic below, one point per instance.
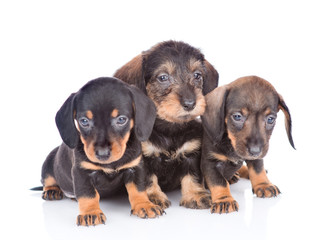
[(261, 185), (258, 178), (267, 112), (49, 181), (193, 191), (114, 113), (149, 150), (218, 156), (219, 192), (140, 203), (245, 111), (167, 67), (91, 166), (244, 172), (89, 207), (194, 64), (52, 193), (232, 139), (222, 200), (118, 148), (187, 147), (156, 195), (171, 110), (89, 114)]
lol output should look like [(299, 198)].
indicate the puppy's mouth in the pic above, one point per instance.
[(176, 113)]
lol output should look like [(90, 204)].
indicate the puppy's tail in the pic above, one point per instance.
[(40, 188)]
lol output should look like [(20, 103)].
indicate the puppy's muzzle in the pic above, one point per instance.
[(188, 104), (254, 146), (103, 153)]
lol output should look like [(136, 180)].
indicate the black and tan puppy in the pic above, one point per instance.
[(176, 77), (101, 126), (238, 123)]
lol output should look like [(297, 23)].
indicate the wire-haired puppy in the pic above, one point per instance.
[(238, 122), (176, 76), (102, 126)]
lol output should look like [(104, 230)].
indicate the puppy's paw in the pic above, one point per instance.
[(52, 193), (264, 190), (225, 204), (91, 219), (147, 210), (235, 178), (160, 200), (200, 200)]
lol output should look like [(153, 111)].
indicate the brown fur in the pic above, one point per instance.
[(238, 123), (176, 77)]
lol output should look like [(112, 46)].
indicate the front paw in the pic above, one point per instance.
[(224, 204), (264, 190), (52, 193), (91, 219), (147, 210), (160, 200), (200, 200)]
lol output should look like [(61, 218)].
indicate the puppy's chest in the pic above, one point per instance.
[(171, 151)]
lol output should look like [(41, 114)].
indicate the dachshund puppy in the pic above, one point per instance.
[(176, 77), (238, 122), (102, 126)]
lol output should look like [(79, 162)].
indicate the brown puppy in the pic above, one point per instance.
[(238, 123), (176, 77)]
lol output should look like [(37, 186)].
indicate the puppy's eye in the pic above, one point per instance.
[(84, 122), (237, 117), (197, 75), (121, 120), (271, 119), (163, 78)]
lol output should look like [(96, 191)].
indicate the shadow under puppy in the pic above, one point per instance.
[(101, 126), (238, 122), (175, 76)]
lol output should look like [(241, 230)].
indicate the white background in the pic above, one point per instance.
[(49, 49)]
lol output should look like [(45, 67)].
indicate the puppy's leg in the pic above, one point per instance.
[(261, 185), (51, 190), (194, 195), (138, 197), (156, 195), (222, 200), (88, 199)]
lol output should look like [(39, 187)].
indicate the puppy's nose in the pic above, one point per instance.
[(255, 150), (188, 104), (102, 153)]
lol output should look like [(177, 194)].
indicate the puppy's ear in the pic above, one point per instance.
[(213, 119), (65, 122), (210, 82), (144, 113), (288, 120), (132, 73)]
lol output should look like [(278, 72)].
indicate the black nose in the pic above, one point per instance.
[(188, 104), (255, 150), (102, 153)]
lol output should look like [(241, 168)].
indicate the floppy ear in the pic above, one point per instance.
[(213, 119), (288, 120), (145, 114), (210, 82), (65, 122), (132, 73)]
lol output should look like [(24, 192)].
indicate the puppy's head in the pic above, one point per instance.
[(176, 77), (246, 111), (102, 115)]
